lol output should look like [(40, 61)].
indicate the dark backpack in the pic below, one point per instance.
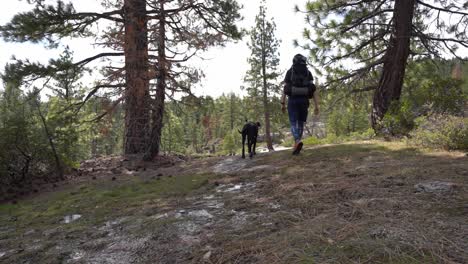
[(302, 82)]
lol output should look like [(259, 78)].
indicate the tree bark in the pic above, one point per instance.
[(158, 103), (137, 96), (391, 80), (265, 93)]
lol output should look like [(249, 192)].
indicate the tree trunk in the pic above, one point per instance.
[(231, 109), (267, 119), (265, 93), (158, 103), (50, 137), (136, 77), (391, 80)]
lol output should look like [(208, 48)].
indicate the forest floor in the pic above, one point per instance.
[(361, 202)]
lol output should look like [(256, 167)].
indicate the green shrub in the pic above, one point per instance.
[(366, 135), (399, 120), (441, 131), (310, 141), (229, 146), (332, 139), (288, 142)]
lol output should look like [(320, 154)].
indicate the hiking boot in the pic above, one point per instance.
[(295, 146), (298, 148)]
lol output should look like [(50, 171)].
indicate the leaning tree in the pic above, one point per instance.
[(149, 39), (377, 37)]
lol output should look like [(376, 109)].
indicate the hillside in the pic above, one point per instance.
[(362, 202)]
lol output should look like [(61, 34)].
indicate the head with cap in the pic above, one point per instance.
[(299, 59)]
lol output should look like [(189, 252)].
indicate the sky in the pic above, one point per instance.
[(224, 67)]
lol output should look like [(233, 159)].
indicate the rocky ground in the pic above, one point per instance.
[(365, 202)]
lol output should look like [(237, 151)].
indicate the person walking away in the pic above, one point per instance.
[(299, 88)]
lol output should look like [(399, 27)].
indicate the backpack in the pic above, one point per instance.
[(301, 82)]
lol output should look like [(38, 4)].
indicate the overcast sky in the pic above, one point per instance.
[(225, 67)]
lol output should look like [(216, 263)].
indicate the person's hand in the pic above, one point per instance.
[(283, 108), (316, 111)]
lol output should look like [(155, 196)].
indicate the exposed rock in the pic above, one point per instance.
[(234, 187), (435, 187), (207, 256), (71, 218), (200, 214), (230, 165), (30, 232), (260, 168)]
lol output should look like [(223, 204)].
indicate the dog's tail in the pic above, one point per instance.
[(240, 132)]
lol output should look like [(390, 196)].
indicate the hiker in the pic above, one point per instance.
[(299, 87)]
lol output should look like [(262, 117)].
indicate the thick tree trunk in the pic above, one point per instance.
[(136, 75), (391, 80), (158, 103)]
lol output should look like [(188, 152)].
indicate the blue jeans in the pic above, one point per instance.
[(298, 108)]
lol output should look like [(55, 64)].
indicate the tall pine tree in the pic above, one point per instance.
[(398, 30), (154, 37), (264, 60)]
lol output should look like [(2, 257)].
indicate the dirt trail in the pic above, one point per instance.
[(351, 203)]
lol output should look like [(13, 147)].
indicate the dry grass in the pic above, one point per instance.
[(356, 203), (347, 203)]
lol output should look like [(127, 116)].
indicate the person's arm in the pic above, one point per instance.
[(283, 99), (316, 103), (285, 83)]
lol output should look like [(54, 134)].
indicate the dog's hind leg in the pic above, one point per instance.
[(254, 145), (243, 145), (250, 148)]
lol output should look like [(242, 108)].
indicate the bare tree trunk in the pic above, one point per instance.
[(231, 109), (50, 137), (158, 103), (136, 76), (265, 94), (391, 80)]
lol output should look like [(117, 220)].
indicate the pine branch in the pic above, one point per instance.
[(100, 55), (99, 117), (442, 9), (94, 91), (97, 16), (356, 72)]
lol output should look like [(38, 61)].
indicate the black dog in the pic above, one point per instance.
[(250, 132)]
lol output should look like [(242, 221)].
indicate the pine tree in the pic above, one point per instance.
[(397, 30), (184, 28), (155, 38), (263, 65)]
